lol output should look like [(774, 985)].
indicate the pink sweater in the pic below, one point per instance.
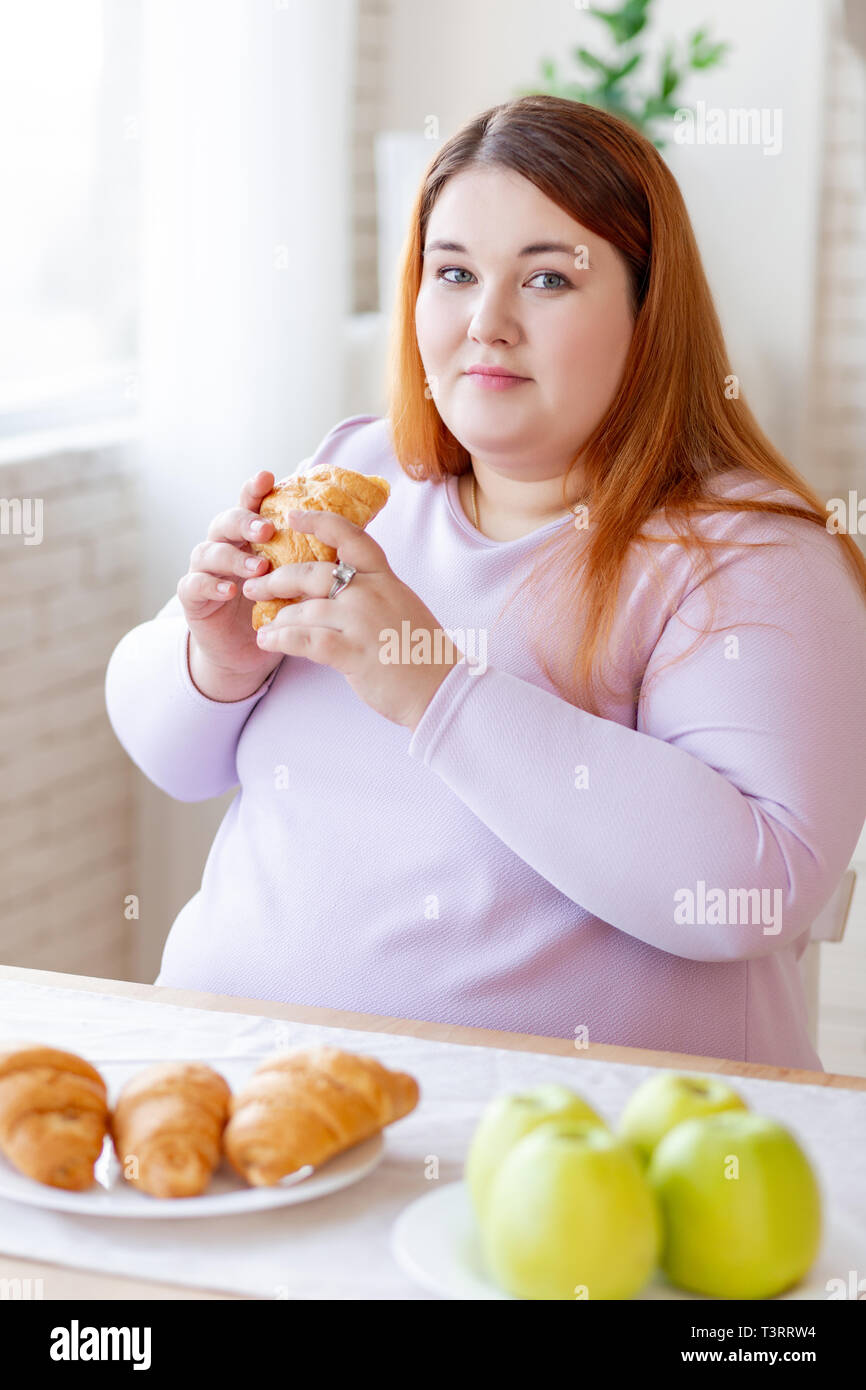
[(647, 877)]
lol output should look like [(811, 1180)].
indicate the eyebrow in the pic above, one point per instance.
[(536, 249)]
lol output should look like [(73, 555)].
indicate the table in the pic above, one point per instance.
[(84, 1285)]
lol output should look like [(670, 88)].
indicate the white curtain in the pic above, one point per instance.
[(247, 107), (246, 115)]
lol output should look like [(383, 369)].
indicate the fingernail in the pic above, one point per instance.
[(258, 525), (252, 564), (223, 588)]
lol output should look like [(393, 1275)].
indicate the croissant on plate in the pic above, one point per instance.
[(53, 1114), (324, 489), (306, 1105), (167, 1127)]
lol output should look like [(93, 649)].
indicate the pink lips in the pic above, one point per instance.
[(494, 378)]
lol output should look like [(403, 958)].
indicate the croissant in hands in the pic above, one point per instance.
[(323, 489), (304, 1106), (167, 1127), (53, 1114)]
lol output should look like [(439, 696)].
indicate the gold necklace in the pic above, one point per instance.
[(572, 509)]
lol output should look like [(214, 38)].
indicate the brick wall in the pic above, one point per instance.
[(837, 460), (67, 812), (373, 17), (837, 452)]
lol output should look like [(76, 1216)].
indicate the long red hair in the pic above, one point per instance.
[(670, 428)]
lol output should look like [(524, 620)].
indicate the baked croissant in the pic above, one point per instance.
[(169, 1118), (306, 1105), (322, 489), (53, 1114)]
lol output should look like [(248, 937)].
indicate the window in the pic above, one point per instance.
[(70, 139)]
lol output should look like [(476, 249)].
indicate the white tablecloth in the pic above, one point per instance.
[(338, 1247)]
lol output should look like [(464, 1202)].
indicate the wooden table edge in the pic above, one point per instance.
[(434, 1032), (95, 1284)]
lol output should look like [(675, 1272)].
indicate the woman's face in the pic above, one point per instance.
[(565, 328)]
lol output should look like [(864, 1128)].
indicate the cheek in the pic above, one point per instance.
[(591, 348), (436, 322)]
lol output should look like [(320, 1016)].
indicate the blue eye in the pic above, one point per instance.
[(440, 274), (547, 274), (551, 274)]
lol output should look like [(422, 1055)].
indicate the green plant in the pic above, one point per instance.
[(612, 86)]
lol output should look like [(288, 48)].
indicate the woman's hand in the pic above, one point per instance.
[(350, 632), (225, 660)]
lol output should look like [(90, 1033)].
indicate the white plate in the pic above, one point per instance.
[(227, 1193), (435, 1241)]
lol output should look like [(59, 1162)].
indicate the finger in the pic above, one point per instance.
[(298, 579), (240, 524), (315, 612), (223, 558), (199, 589), (255, 489), (322, 645), (351, 542)]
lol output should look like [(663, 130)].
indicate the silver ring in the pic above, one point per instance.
[(343, 575)]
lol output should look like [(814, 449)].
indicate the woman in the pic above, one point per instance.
[(610, 811)]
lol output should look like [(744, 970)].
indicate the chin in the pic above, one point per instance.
[(484, 439)]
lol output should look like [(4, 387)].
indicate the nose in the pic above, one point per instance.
[(493, 320)]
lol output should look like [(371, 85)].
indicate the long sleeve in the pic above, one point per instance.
[(746, 771), (183, 742)]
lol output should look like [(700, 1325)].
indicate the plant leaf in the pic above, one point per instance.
[(628, 67), (710, 56), (592, 62), (626, 22), (705, 54), (669, 75), (658, 106)]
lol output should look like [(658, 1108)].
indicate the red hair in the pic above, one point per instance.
[(669, 429)]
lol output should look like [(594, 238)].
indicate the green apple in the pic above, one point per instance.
[(744, 1229), (571, 1215), (666, 1099), (509, 1118)]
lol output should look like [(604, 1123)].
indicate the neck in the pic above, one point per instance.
[(511, 507)]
